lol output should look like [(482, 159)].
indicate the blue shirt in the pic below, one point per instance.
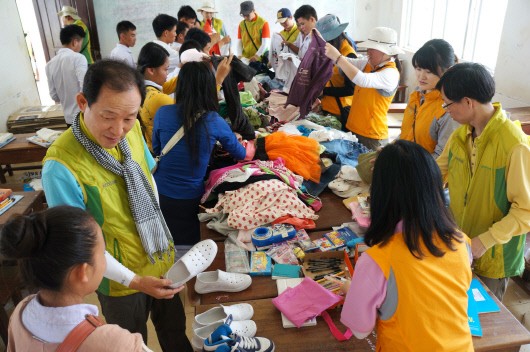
[(179, 175)]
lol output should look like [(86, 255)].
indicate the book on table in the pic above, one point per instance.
[(282, 271), (9, 202)]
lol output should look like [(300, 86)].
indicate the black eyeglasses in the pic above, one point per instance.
[(445, 106)]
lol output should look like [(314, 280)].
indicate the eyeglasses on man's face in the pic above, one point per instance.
[(446, 105)]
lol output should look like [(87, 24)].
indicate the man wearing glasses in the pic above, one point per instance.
[(486, 162), (253, 34)]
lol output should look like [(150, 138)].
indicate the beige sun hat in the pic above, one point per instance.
[(69, 11), (383, 39), (208, 6)]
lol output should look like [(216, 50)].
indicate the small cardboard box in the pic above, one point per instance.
[(346, 265)]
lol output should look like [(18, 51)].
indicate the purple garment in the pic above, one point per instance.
[(314, 72)]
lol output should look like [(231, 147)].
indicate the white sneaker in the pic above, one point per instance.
[(214, 281), (195, 261), (240, 311), (245, 328)]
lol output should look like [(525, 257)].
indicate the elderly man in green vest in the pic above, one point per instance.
[(253, 34), (486, 162), (68, 16), (102, 164)]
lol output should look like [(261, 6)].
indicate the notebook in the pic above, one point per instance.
[(483, 301), (281, 271), (282, 285)]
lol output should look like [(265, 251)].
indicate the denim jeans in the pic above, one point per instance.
[(347, 151), (326, 177)]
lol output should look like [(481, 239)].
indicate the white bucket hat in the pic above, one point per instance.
[(69, 11), (383, 39), (208, 6)]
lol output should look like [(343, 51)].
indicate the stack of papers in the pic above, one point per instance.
[(45, 137), (5, 138)]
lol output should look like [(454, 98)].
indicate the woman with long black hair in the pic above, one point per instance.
[(180, 174)]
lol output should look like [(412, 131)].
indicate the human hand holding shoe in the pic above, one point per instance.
[(155, 287)]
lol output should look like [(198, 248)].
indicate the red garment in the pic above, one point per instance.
[(298, 223)]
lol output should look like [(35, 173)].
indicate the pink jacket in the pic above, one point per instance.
[(108, 337)]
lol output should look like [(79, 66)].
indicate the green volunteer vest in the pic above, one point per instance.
[(254, 28), (105, 197), (479, 200)]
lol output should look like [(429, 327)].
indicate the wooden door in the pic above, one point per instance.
[(50, 24)]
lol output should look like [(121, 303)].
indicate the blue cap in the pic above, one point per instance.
[(283, 15)]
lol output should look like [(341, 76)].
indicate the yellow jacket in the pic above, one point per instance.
[(154, 99)]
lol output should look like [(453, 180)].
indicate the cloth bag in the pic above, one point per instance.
[(314, 72)]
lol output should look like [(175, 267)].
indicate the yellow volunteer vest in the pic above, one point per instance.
[(154, 99), (369, 108), (291, 35), (254, 31), (329, 103), (105, 197), (217, 25), (480, 200), (438, 321), (417, 118)]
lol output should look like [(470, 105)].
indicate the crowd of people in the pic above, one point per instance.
[(117, 228)]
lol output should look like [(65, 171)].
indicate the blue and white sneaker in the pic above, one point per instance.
[(223, 340)]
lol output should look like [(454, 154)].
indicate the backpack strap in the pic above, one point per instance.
[(79, 334), (334, 330)]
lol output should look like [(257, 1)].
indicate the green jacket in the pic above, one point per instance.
[(480, 200), (105, 197)]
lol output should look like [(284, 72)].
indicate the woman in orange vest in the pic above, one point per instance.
[(376, 80), (425, 121), (337, 94), (411, 284)]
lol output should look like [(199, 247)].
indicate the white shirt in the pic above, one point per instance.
[(176, 46), (386, 80), (53, 324), (174, 58), (65, 73), (303, 44), (123, 53)]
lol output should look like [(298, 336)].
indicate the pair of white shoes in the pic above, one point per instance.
[(348, 183), (206, 323), (198, 259)]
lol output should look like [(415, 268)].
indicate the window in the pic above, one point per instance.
[(472, 27)]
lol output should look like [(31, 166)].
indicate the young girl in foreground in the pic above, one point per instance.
[(61, 253), (411, 284)]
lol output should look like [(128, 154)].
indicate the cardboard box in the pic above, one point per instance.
[(345, 266)]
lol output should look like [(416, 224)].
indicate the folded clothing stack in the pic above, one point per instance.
[(4, 137), (48, 135)]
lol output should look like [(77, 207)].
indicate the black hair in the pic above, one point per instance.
[(407, 185), (115, 75), (124, 27), (181, 27), (162, 23), (186, 11), (468, 79), (190, 44), (305, 11), (198, 35), (71, 32), (196, 93), (48, 244), (436, 55), (151, 55), (337, 42)]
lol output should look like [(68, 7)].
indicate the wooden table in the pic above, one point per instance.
[(502, 331), (523, 115), (332, 213), (20, 151), (32, 202), (308, 339)]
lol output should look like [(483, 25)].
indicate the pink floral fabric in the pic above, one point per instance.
[(261, 203)]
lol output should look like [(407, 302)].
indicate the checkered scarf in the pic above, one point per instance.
[(150, 223)]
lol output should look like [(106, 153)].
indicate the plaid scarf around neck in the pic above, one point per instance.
[(150, 223)]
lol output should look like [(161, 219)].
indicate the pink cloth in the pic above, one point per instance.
[(305, 301), (261, 203)]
